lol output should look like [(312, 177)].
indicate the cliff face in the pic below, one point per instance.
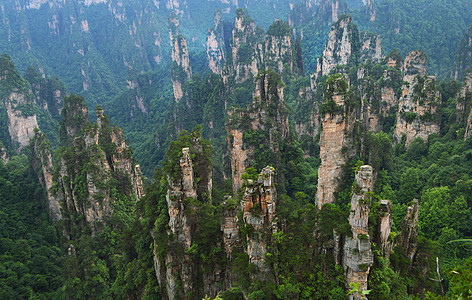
[(258, 206), (18, 103), (42, 163), (247, 47), (408, 237), (181, 69), (216, 45), (278, 47), (463, 106), (357, 256), (267, 116), (178, 268), (94, 167), (182, 226), (345, 44), (21, 125), (335, 140), (418, 114), (463, 60), (27, 103), (384, 228)]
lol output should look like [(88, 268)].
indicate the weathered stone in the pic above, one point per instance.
[(464, 105), (258, 205), (418, 114), (181, 69), (408, 237), (335, 142), (278, 50), (358, 257), (342, 46), (384, 228), (215, 45), (42, 163), (268, 108), (247, 48)]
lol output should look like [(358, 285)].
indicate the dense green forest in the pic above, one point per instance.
[(212, 184)]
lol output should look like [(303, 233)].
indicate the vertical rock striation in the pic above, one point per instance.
[(463, 59), (178, 269), (347, 44), (181, 69), (384, 228), (278, 47), (418, 114), (94, 164), (408, 237), (335, 139), (258, 205), (266, 115), (19, 104), (464, 105), (215, 44), (42, 163), (247, 48), (358, 257)]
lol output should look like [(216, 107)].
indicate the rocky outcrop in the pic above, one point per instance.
[(178, 269), (345, 44), (391, 76), (415, 64), (278, 47), (258, 205), (358, 257), (95, 166), (42, 163), (418, 114), (464, 105), (408, 237), (216, 45), (19, 104), (181, 225), (231, 236), (463, 60), (384, 228), (21, 118), (335, 141), (266, 115), (247, 48), (181, 70)]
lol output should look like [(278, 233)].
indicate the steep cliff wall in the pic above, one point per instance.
[(384, 228), (247, 48), (262, 124), (18, 103), (278, 47), (463, 60), (464, 105), (215, 44), (408, 237), (357, 256), (181, 69), (95, 167), (347, 44), (336, 139), (178, 266), (42, 163), (258, 205), (418, 114)]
